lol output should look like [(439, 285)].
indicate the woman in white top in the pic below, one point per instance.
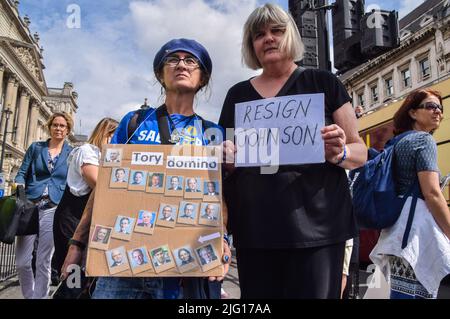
[(83, 164)]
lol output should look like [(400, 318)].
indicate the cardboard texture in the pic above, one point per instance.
[(122, 199)]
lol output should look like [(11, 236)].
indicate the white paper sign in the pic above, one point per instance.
[(193, 162), (280, 130), (147, 158)]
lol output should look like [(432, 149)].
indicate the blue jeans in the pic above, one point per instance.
[(131, 288)]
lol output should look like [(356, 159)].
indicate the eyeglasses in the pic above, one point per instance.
[(431, 106), (189, 62), (59, 125)]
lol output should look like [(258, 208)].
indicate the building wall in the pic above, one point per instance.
[(23, 91)]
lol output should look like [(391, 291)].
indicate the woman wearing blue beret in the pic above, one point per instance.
[(183, 68)]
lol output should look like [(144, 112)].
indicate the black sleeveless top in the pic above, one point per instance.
[(301, 205)]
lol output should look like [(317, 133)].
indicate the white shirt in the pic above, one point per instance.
[(85, 154), (427, 251)]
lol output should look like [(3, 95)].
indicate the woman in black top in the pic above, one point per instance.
[(290, 227)]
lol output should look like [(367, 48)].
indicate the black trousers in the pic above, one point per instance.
[(67, 217), (303, 273)]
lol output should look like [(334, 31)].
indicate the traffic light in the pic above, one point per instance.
[(379, 32), (347, 15), (313, 30)]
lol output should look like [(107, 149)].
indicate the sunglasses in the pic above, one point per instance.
[(431, 106)]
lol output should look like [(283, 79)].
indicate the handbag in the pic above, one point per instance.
[(18, 216)]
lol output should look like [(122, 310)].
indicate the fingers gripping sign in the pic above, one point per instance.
[(334, 139)]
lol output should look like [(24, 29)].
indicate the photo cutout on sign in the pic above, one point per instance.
[(174, 185), (162, 259), (119, 177), (167, 215), (117, 260), (209, 214), (208, 257), (139, 260), (193, 187), (184, 258), (123, 228), (155, 183), (101, 237), (113, 157), (188, 213), (145, 222), (211, 191), (137, 180)]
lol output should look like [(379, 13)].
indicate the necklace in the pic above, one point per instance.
[(176, 135)]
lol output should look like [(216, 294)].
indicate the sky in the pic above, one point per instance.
[(106, 48)]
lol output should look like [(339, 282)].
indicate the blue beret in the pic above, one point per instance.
[(185, 45)]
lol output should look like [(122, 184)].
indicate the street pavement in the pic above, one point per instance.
[(371, 286), (11, 289)]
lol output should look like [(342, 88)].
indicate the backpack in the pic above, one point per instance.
[(375, 201)]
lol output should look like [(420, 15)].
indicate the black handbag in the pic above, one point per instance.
[(18, 216)]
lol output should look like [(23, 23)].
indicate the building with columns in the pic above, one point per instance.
[(25, 101)]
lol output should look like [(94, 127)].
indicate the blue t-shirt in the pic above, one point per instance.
[(190, 128)]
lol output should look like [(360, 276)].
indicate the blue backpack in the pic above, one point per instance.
[(375, 200)]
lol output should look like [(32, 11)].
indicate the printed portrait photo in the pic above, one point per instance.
[(174, 185), (113, 157), (208, 257), (139, 260), (145, 222), (211, 191), (188, 213), (209, 214), (123, 227), (101, 237), (167, 215), (155, 183), (193, 187), (117, 260), (137, 180), (211, 188), (119, 177), (161, 258), (185, 259)]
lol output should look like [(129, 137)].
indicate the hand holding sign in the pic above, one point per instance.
[(334, 139)]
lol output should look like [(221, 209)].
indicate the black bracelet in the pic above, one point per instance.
[(77, 243)]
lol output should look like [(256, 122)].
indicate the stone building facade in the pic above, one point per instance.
[(421, 60), (25, 101)]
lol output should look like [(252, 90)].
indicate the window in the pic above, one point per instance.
[(406, 78), (389, 87), (374, 93), (361, 99), (404, 34), (425, 68), (427, 19)]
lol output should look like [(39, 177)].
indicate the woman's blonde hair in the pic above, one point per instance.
[(64, 115), (271, 14), (105, 128)]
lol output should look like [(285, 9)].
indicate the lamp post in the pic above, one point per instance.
[(7, 113)]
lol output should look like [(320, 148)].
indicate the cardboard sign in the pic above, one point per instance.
[(152, 213), (280, 131)]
